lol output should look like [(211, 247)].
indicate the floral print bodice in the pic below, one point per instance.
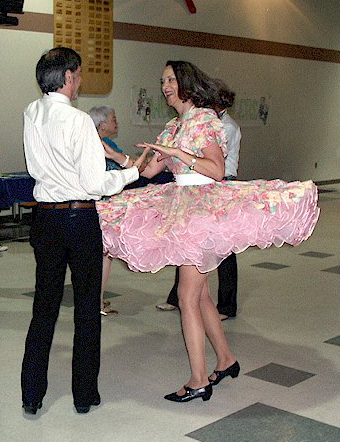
[(199, 130)]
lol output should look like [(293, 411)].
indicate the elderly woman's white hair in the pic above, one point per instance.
[(101, 114)]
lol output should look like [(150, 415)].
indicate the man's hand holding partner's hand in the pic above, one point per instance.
[(141, 162), (162, 151)]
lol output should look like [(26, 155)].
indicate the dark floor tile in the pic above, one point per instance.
[(270, 265), (335, 269), (262, 423), (334, 341), (316, 254), (280, 374), (68, 295)]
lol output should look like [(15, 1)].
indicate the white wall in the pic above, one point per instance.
[(305, 22), (305, 98)]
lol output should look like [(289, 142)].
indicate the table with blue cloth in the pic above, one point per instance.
[(16, 187)]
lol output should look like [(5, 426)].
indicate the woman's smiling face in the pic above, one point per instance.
[(170, 86)]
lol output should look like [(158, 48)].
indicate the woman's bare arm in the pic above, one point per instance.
[(212, 165)]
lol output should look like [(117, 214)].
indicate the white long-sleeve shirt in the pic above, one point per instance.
[(64, 153), (233, 134)]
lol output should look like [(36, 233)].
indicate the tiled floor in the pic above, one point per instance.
[(316, 254), (280, 374), (266, 424), (335, 269), (269, 265), (286, 337), (334, 341)]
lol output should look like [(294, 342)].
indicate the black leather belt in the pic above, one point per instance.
[(68, 205)]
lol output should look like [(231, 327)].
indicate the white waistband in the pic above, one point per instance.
[(192, 179)]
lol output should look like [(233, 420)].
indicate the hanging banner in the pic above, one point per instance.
[(149, 108), (251, 110)]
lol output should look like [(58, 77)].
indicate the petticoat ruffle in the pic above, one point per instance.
[(150, 228)]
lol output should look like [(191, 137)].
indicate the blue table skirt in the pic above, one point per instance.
[(15, 187)]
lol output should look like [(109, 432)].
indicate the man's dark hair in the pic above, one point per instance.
[(51, 68), (194, 84)]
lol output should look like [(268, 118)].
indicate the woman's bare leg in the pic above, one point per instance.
[(191, 284), (214, 331)]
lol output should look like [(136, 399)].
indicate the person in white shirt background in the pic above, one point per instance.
[(65, 156), (3, 248), (227, 270)]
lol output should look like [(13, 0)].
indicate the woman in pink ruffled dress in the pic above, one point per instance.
[(198, 220)]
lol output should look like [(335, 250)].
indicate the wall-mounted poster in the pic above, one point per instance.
[(149, 108), (251, 111)]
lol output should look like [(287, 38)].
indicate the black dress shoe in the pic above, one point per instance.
[(190, 394), (31, 407), (86, 408), (232, 371)]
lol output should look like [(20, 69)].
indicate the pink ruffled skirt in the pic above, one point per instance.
[(159, 225)]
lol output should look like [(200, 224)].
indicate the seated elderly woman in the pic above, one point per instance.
[(104, 118)]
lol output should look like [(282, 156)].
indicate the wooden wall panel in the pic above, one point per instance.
[(87, 28)]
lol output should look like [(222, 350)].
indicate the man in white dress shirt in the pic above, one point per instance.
[(65, 156)]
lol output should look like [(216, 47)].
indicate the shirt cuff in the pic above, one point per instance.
[(130, 175)]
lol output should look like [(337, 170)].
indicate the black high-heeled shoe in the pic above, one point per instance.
[(190, 394), (232, 371)]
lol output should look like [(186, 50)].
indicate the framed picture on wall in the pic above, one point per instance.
[(148, 107)]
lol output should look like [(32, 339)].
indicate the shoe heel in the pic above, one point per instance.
[(235, 371), (207, 395)]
